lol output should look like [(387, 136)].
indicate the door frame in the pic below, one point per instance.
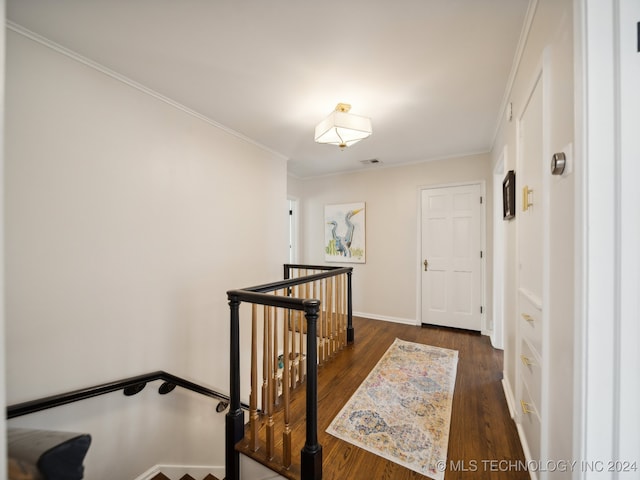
[(483, 245), (497, 249), (606, 383), (293, 204)]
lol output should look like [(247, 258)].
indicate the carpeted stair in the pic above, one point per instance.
[(161, 476)]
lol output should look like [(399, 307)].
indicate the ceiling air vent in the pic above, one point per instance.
[(373, 161)]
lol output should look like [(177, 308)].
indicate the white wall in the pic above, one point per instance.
[(386, 286), (551, 31), (3, 441), (127, 220)]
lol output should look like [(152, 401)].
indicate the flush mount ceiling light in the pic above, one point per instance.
[(342, 128)]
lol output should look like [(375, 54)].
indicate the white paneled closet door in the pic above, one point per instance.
[(531, 255)]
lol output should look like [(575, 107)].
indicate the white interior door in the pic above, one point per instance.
[(451, 247), (531, 363), (530, 224)]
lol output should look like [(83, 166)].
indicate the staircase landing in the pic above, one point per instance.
[(481, 429)]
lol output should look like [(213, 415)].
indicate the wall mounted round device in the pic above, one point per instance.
[(558, 162)]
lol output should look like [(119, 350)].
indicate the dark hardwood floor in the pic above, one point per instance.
[(483, 442)]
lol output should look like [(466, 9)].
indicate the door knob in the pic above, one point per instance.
[(426, 264)]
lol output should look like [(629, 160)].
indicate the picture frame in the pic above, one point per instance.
[(345, 233), (509, 195)]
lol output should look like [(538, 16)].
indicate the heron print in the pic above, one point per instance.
[(345, 233)]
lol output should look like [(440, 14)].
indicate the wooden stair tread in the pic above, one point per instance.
[(162, 476)]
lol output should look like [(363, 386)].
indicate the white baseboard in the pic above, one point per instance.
[(373, 316), (525, 449), (404, 321), (174, 472), (149, 473), (508, 394), (511, 403)]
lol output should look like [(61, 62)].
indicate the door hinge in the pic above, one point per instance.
[(480, 200), (290, 212), (481, 309), (480, 253)]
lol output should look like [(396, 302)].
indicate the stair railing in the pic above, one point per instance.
[(129, 386), (42, 453), (304, 320)]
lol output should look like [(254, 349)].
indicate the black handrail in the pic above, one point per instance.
[(292, 282), (130, 385)]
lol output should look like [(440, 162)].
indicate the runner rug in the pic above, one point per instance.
[(402, 410)]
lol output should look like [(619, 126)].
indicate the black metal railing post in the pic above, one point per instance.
[(234, 422), (350, 331), (311, 454)]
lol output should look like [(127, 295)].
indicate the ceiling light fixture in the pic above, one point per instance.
[(342, 128)]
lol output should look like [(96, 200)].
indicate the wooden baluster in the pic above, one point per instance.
[(317, 288), (312, 294), (274, 372), (344, 307), (327, 333), (330, 313), (286, 434), (253, 399), (265, 362), (343, 326), (294, 334), (321, 322), (292, 331), (327, 318), (337, 306), (338, 313), (339, 309), (292, 347), (269, 368), (302, 325)]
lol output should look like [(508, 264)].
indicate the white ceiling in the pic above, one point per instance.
[(431, 74)]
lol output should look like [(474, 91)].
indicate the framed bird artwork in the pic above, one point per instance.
[(344, 233)]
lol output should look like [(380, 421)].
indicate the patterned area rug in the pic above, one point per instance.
[(402, 410)]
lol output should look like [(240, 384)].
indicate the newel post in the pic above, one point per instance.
[(234, 426), (350, 331), (311, 454)]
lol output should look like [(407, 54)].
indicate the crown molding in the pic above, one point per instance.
[(25, 32)]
